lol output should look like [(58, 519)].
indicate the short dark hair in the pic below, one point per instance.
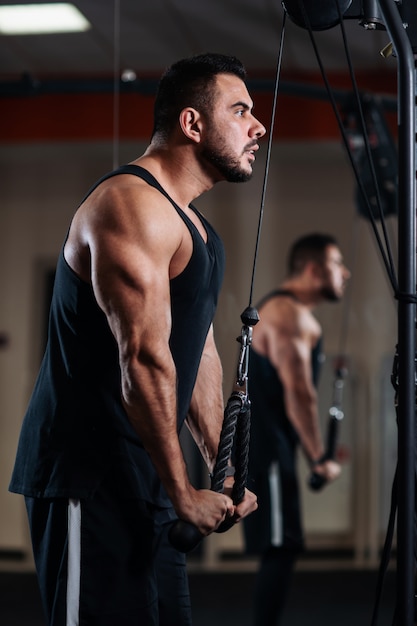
[(308, 248), (189, 82)]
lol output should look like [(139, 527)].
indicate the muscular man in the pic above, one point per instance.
[(283, 371), (130, 357)]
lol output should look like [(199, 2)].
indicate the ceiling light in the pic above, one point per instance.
[(40, 19)]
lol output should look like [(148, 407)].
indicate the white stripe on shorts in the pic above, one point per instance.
[(275, 500), (74, 562)]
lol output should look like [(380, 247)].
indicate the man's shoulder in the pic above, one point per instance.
[(290, 318), (281, 302), (124, 194)]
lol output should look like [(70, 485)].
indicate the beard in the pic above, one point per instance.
[(330, 295), (216, 155)]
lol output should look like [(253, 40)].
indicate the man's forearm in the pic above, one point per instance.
[(149, 398), (205, 417), (304, 417)]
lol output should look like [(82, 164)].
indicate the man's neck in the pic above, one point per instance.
[(177, 171), (302, 292)]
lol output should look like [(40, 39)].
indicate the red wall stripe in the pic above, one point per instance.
[(89, 116)]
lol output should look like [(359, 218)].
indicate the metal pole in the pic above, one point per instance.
[(406, 311)]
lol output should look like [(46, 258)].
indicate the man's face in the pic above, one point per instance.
[(232, 132), (335, 274)]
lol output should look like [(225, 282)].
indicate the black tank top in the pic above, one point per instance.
[(271, 430), (75, 428)]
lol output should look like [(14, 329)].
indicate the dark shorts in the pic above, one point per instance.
[(115, 566), (277, 521)]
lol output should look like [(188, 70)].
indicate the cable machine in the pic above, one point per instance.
[(399, 18), (405, 48)]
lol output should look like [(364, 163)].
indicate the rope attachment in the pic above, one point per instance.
[(234, 438), (336, 414)]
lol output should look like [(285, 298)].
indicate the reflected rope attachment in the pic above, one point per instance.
[(336, 414)]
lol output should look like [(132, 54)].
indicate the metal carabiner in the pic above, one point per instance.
[(245, 340), (249, 318)]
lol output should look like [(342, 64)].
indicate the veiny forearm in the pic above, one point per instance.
[(205, 418), (151, 407), (149, 397)]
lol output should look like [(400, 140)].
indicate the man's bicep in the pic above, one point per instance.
[(131, 285), (292, 360)]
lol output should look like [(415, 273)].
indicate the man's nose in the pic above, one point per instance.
[(259, 129)]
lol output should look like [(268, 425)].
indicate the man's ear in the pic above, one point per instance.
[(316, 269), (191, 124)]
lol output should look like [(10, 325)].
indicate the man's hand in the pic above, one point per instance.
[(248, 505), (206, 510), (329, 469)]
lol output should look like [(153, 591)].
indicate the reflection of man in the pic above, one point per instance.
[(130, 357), (283, 371)]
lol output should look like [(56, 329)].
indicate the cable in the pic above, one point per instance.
[(368, 152), (116, 84), (386, 258), (268, 158)]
